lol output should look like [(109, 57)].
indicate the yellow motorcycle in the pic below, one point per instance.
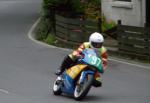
[(78, 79)]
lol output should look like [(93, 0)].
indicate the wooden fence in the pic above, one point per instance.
[(134, 41), (74, 31)]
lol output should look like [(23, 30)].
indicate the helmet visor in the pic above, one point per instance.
[(96, 45)]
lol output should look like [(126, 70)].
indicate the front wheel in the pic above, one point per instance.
[(57, 86), (82, 89)]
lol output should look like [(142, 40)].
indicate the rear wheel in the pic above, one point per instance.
[(82, 89)]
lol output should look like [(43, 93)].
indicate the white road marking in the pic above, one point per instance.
[(32, 37), (4, 91), (133, 64)]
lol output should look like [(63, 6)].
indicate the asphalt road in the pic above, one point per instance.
[(26, 68)]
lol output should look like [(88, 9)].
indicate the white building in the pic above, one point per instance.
[(130, 12)]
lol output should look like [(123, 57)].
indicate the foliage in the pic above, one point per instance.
[(107, 24), (50, 39), (43, 29), (88, 9), (66, 8), (48, 3), (92, 9)]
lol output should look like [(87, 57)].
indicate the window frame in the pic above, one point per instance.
[(124, 0), (122, 4)]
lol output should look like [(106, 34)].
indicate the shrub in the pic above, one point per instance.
[(50, 39), (43, 29), (92, 9), (66, 8), (106, 25)]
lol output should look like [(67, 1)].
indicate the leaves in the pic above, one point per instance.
[(92, 9), (66, 8)]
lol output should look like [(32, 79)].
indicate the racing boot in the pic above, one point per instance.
[(98, 81), (67, 62)]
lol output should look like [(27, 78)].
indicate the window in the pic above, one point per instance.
[(124, 0), (122, 4)]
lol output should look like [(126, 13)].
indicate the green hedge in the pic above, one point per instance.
[(66, 8), (43, 29)]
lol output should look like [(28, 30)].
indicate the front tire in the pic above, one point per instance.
[(57, 87), (81, 90)]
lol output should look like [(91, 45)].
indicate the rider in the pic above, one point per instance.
[(95, 42)]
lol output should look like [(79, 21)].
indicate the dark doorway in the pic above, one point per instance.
[(148, 13)]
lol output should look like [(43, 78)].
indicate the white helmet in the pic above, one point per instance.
[(96, 40)]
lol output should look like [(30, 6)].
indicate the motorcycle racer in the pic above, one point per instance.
[(95, 42)]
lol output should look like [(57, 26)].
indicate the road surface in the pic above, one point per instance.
[(27, 68)]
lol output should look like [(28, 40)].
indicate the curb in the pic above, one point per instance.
[(31, 36)]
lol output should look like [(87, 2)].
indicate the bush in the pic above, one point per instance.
[(106, 25), (43, 29), (50, 39), (92, 9), (66, 8)]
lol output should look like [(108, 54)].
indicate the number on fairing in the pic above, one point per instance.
[(95, 60)]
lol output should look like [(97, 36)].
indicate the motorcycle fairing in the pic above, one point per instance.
[(68, 84), (74, 71)]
